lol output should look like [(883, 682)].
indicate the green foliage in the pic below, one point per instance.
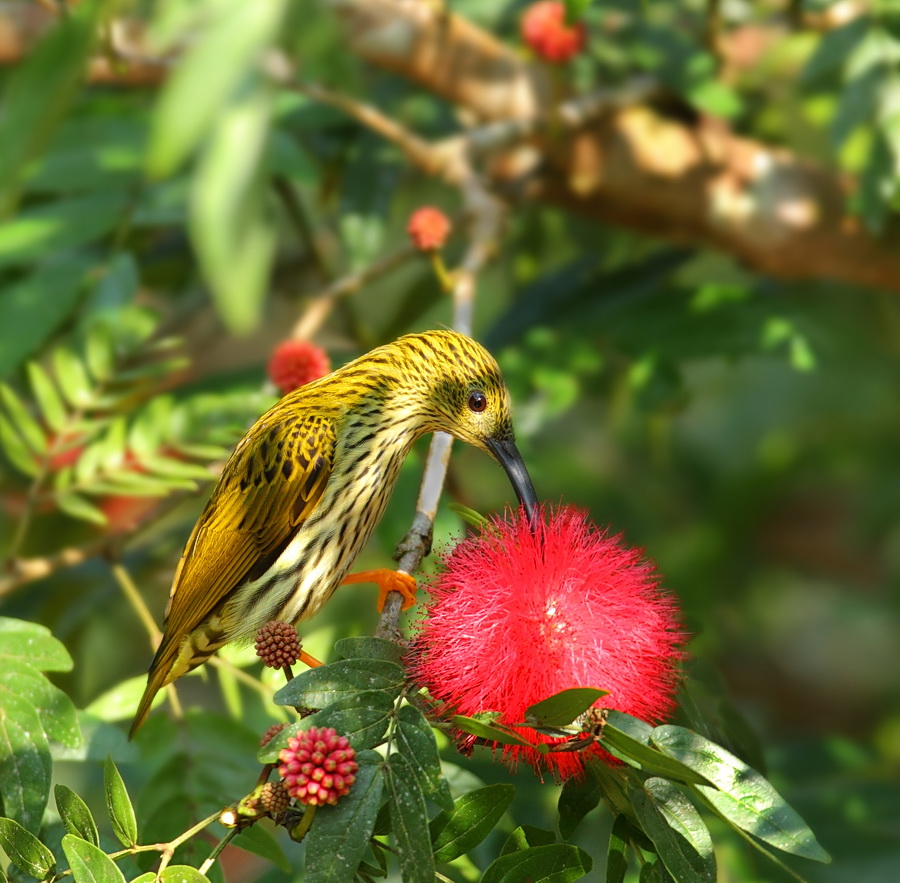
[(32, 712)]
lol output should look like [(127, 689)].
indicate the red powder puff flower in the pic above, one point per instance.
[(318, 766), (517, 616), (295, 363), (428, 228), (545, 31)]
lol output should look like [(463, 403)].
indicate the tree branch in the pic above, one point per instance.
[(685, 179)]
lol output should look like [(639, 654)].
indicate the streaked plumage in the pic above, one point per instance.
[(305, 488)]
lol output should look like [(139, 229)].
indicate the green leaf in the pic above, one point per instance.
[(208, 77), (32, 644), (59, 719), (362, 717), (27, 427), (259, 841), (575, 10), (120, 702), (100, 353), (339, 837), (39, 91), (741, 795), (472, 818), (562, 708), (89, 863), (25, 851), (553, 863), (72, 377), (617, 851), (834, 49), (369, 648), (118, 804), (25, 762), (576, 799), (75, 814), (677, 831), (632, 747), (113, 293), (183, 874), (233, 237), (490, 731), (64, 224), (469, 516), (319, 687), (78, 507), (17, 451), (416, 742), (24, 318), (409, 821), (526, 836), (48, 398)]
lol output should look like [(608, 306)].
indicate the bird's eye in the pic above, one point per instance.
[(477, 402)]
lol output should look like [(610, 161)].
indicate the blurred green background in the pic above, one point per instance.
[(744, 430)]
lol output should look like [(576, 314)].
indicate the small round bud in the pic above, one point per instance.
[(318, 766), (428, 228), (277, 644), (274, 799), (270, 734), (546, 33), (294, 363)]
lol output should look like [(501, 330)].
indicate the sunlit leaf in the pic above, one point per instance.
[(89, 863), (118, 804), (25, 851)]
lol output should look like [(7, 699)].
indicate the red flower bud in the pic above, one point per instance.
[(428, 228), (546, 33), (294, 363)]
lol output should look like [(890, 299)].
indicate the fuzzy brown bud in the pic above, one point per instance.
[(277, 644)]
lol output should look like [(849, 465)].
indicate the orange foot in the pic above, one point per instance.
[(387, 581)]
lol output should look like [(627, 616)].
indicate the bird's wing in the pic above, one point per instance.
[(271, 484)]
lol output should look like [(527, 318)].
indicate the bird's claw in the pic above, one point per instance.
[(388, 581)]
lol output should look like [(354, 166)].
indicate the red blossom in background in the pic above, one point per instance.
[(428, 228), (517, 616), (546, 33), (294, 363)]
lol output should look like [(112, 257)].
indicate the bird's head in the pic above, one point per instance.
[(468, 398)]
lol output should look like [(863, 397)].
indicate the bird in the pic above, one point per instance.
[(306, 486)]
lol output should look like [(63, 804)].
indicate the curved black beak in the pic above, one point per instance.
[(510, 459)]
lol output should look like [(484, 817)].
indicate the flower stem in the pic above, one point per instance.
[(445, 277), (300, 830), (172, 845), (218, 849)]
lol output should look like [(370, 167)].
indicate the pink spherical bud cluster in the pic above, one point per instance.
[(277, 644), (546, 33), (318, 766), (294, 363), (428, 228)]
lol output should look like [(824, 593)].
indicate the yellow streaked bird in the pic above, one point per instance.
[(304, 489)]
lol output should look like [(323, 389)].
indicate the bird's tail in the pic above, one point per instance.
[(157, 678), (174, 659)]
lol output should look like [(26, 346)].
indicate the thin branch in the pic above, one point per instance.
[(324, 302), (126, 583), (487, 217)]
